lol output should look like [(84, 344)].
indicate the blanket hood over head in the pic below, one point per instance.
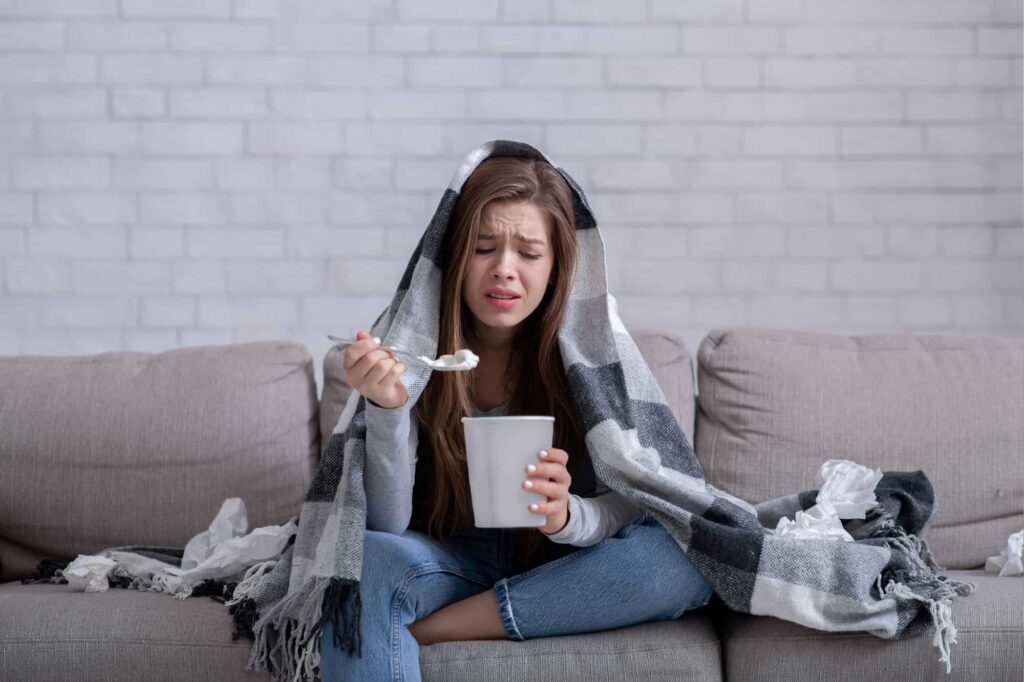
[(882, 582)]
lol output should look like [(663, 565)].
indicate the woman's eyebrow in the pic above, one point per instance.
[(528, 240)]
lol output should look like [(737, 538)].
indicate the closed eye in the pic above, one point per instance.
[(525, 255)]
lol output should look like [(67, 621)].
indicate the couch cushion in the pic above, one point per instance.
[(673, 651), (775, 404), (666, 355), (50, 632), (128, 447), (989, 644)]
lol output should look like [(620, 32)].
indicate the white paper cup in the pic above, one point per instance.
[(497, 452)]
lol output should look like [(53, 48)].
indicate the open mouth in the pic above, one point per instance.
[(500, 301)]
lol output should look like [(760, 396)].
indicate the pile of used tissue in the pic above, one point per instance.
[(223, 550), (846, 491), (1010, 561)]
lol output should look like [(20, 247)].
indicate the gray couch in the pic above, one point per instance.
[(126, 447)]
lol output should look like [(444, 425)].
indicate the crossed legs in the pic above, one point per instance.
[(473, 618)]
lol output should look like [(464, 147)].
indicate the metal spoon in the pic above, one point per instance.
[(437, 364)]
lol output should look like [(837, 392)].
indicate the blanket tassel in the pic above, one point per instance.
[(942, 617), (48, 571), (253, 579), (297, 621), (342, 599), (921, 575)]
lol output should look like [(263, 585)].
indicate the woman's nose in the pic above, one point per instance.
[(504, 267)]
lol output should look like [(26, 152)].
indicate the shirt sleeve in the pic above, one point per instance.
[(593, 519), (390, 469)]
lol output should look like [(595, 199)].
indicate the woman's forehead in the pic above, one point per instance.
[(522, 221)]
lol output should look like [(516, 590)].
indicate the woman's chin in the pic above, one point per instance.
[(500, 322), (498, 319)]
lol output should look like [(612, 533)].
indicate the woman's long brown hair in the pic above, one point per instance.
[(535, 377)]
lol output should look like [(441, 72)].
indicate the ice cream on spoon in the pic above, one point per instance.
[(461, 360), (457, 362)]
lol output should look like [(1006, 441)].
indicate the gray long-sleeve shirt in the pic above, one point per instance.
[(390, 473)]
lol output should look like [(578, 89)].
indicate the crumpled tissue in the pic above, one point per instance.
[(849, 486), (88, 573), (222, 550), (816, 523), (1009, 561), (846, 491), (230, 522)]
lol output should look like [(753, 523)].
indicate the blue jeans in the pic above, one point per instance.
[(640, 574)]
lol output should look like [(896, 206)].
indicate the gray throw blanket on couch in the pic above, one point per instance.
[(883, 582)]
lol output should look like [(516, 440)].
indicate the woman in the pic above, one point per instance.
[(428, 574)]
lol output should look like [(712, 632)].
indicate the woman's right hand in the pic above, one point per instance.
[(374, 372)]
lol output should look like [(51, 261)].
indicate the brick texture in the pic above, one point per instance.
[(211, 171)]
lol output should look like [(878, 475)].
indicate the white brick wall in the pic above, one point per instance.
[(214, 171)]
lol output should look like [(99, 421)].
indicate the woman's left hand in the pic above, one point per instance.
[(551, 479)]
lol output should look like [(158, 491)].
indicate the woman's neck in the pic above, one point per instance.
[(497, 339), (491, 378)]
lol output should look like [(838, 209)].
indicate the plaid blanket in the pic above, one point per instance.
[(883, 582)]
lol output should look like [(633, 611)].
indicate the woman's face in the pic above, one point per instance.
[(514, 253)]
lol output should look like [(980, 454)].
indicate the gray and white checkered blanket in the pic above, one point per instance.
[(883, 582)]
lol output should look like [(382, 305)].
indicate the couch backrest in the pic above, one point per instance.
[(665, 354), (141, 448), (775, 404)]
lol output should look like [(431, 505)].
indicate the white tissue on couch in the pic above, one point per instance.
[(819, 522), (232, 556), (88, 573), (230, 522), (1010, 561), (846, 491), (848, 486), (214, 553)]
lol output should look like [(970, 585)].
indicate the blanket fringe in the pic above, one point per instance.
[(242, 606), (936, 592), (48, 571), (244, 615), (219, 590), (342, 600), (941, 612), (297, 620), (254, 576), (170, 584)]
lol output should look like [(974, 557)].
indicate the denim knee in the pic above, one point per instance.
[(698, 600), (673, 574), (391, 562), (387, 557)]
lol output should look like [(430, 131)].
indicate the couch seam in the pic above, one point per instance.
[(122, 642), (855, 636), (755, 334), (572, 653)]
